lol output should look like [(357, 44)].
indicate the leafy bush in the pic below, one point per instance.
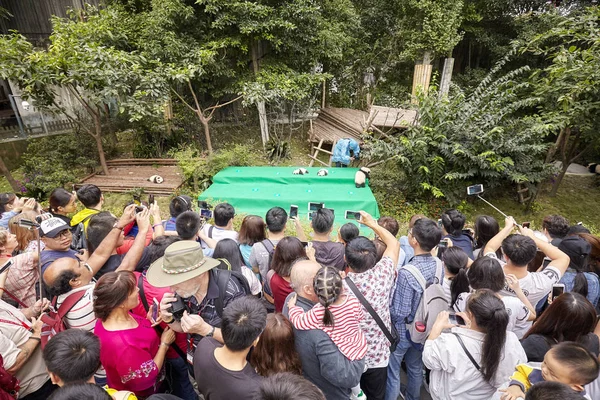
[(463, 140), (200, 168), (56, 161)]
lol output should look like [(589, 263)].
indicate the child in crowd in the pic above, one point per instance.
[(347, 232), (337, 314), (567, 362)]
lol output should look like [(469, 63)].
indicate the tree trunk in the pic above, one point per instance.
[(555, 146), (98, 139), (204, 122), (262, 110), (446, 77), (559, 179), (6, 172)]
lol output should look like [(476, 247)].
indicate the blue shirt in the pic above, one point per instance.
[(47, 257), (170, 224), (464, 242), (593, 284), (5, 218), (409, 252), (408, 292), (341, 151)]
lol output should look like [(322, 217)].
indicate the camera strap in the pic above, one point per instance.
[(158, 328)]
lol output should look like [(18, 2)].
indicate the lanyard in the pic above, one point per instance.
[(21, 323)]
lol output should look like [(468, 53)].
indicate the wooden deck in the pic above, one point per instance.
[(128, 174)]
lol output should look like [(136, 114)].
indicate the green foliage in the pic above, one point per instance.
[(57, 161), (464, 140), (201, 168)]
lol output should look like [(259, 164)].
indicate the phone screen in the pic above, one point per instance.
[(315, 206), (155, 310), (206, 213), (442, 246), (151, 199), (293, 211), (355, 215), (557, 291), (475, 189), (456, 319)]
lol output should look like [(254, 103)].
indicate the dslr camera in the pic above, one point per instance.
[(178, 307)]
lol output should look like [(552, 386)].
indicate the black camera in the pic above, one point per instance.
[(178, 307)]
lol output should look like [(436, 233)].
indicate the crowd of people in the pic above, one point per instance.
[(134, 307)]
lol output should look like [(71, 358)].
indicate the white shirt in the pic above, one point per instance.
[(218, 234), (253, 282), (453, 375), (446, 285), (535, 285), (518, 313)]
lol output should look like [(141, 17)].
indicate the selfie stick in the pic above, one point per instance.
[(495, 208)]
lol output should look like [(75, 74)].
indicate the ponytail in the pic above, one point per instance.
[(491, 316), (460, 284), (328, 287), (580, 284)]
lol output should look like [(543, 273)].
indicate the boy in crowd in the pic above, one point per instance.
[(555, 227), (327, 253), (223, 228), (92, 199), (222, 371), (391, 224), (567, 362), (405, 245)]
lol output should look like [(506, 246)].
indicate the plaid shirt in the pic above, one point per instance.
[(207, 308), (21, 278), (408, 292)]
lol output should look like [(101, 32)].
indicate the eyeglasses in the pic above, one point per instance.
[(62, 234)]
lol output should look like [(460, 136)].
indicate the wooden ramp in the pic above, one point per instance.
[(128, 174)]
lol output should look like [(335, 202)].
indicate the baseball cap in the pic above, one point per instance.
[(52, 227), (578, 250)]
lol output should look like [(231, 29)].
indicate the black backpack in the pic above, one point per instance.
[(79, 241), (223, 276)]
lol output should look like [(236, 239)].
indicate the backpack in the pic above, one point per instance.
[(78, 240), (223, 276), (433, 301), (9, 384), (53, 319)]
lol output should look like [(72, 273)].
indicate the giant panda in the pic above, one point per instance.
[(300, 171), (156, 179), (361, 177), (594, 168)]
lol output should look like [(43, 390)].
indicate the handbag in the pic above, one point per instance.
[(392, 336)]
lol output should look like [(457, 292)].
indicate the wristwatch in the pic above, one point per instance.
[(211, 333)]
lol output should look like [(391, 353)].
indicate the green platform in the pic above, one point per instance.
[(253, 190)]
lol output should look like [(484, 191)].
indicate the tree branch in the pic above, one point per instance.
[(73, 119), (217, 106), (198, 108), (586, 149), (79, 97), (184, 102)]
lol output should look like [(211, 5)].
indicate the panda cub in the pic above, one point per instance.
[(156, 179), (594, 168), (361, 177), (300, 171), (322, 172)]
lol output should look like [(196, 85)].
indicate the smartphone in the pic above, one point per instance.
[(557, 290), (207, 214), (155, 310), (6, 266), (315, 206), (456, 319), (293, 211), (151, 199), (355, 215), (474, 189), (440, 223), (139, 209), (526, 224), (442, 246)]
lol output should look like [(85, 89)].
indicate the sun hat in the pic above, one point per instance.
[(182, 261), (52, 227)]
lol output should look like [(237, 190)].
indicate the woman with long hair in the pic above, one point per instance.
[(288, 251), (276, 349), (455, 273), (577, 278), (486, 227), (486, 273), (253, 230), (61, 204), (22, 276), (229, 253), (570, 318), (131, 352), (26, 237), (594, 261), (472, 361)]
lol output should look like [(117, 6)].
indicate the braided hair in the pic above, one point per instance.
[(328, 287)]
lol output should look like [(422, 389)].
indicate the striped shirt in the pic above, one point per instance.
[(82, 316), (345, 332)]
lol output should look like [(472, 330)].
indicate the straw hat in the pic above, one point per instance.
[(182, 261)]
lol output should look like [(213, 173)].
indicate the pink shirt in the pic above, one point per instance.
[(127, 355)]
